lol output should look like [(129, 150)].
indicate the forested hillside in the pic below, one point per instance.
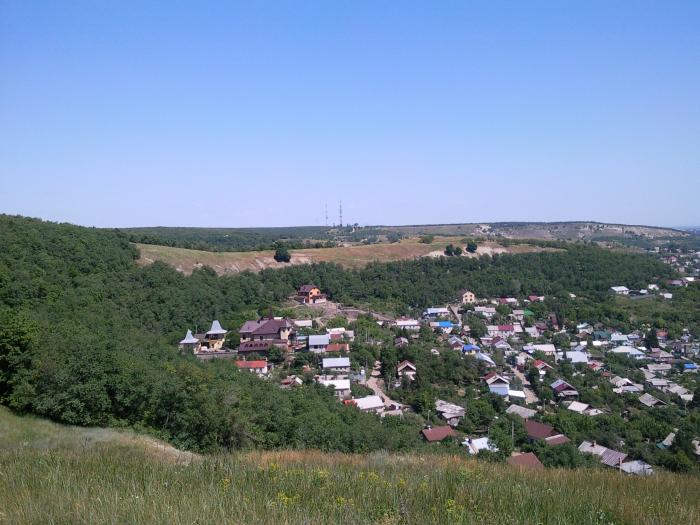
[(87, 336), (229, 239)]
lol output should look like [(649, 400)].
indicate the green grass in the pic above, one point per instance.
[(112, 481)]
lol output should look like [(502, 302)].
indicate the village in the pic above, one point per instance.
[(477, 368)]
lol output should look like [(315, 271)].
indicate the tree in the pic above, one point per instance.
[(449, 250), (282, 253), (651, 340), (275, 354), (471, 247), (458, 251), (17, 335), (426, 239)]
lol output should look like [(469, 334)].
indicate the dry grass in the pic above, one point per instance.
[(113, 482), (349, 256)]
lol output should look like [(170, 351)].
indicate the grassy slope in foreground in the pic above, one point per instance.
[(185, 260), (55, 474)]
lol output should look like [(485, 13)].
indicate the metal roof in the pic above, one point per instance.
[(336, 362), (189, 339), (216, 329)]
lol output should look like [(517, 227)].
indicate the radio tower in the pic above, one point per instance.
[(326, 215), (341, 214)]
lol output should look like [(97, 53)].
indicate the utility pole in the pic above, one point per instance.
[(341, 213)]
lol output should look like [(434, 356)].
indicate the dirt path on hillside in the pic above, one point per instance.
[(530, 397)]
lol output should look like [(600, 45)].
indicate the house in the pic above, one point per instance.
[(528, 460), (436, 313), (524, 413), (318, 344), (650, 401), (660, 356), (537, 431), (563, 390), (629, 351), (275, 330), (449, 412), (476, 445), (190, 343), (485, 358), (445, 327), (578, 407), (659, 368), (668, 441), (260, 347), (679, 391), (211, 341), (412, 325), (406, 369), (690, 367), (637, 467), (542, 367), (620, 290), (340, 333), (436, 434), (584, 328), (310, 294), (336, 364), (485, 311), (368, 404), (291, 382), (207, 345), (547, 349), (521, 360), (214, 338), (583, 409), (573, 356), (259, 367), (620, 339), (303, 323), (625, 386), (455, 342), (609, 457), (338, 347), (400, 342), (468, 297), (657, 382), (470, 349), (595, 365), (535, 298), (504, 330), (497, 384), (341, 387)]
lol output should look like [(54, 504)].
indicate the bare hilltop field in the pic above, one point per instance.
[(357, 256)]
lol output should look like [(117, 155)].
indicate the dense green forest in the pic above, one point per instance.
[(88, 337), (231, 239)]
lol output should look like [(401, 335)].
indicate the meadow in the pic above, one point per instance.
[(357, 256), (55, 474)]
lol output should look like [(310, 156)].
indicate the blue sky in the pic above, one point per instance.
[(260, 113)]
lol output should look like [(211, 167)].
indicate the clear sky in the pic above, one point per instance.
[(259, 113)]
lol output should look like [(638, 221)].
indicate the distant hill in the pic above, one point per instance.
[(560, 231), (304, 237)]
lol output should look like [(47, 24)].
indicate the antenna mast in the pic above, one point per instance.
[(341, 214), (326, 215)]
